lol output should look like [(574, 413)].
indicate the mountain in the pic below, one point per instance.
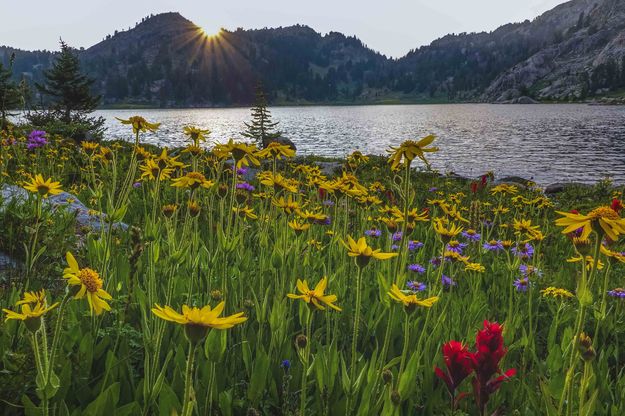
[(574, 51)]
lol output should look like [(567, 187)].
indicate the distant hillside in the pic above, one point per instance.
[(575, 51)]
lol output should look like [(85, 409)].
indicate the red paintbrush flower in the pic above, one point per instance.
[(489, 352), (616, 205), (459, 365), (474, 187)]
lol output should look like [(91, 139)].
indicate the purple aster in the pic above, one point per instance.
[(417, 268), (487, 223), (245, 186), (471, 235), (619, 292), (397, 236), (447, 281), (373, 233), (493, 245), (37, 138), (435, 261), (521, 284), (414, 245), (416, 286), (455, 246), (326, 221), (434, 189), (528, 271), (394, 247), (328, 203), (242, 170), (285, 364), (136, 185), (523, 251)]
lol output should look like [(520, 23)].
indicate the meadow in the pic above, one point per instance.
[(229, 280)]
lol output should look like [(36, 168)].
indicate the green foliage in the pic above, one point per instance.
[(261, 129), (10, 97)]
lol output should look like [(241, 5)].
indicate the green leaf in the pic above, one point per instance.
[(215, 345), (258, 380), (105, 403), (407, 381)]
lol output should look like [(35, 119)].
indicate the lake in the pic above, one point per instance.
[(547, 143)]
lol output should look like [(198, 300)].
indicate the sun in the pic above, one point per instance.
[(209, 32)]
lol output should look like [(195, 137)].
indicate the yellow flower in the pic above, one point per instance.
[(504, 189), (589, 262), (298, 227), (288, 205), (312, 216), (139, 124), (196, 134), (601, 220), (152, 171), (90, 285), (43, 187), (555, 292), (242, 153), (192, 180), (89, 147), (30, 313), (410, 149), (410, 301), (32, 297), (276, 150), (197, 322), (474, 267), (245, 212), (278, 182), (363, 252), (612, 255), (315, 296), (446, 232)]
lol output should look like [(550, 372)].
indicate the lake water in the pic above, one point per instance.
[(546, 143)]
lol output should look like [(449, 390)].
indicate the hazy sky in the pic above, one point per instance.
[(392, 27)]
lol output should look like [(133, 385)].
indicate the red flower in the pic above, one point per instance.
[(474, 187), (616, 205), (484, 179), (458, 363), (489, 352), (322, 193)]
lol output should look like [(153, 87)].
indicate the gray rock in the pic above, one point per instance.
[(85, 217), (558, 187), (9, 267), (517, 180), (525, 100)]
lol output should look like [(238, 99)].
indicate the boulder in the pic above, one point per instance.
[(525, 100), (558, 187)]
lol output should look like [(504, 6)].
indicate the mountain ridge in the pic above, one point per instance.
[(575, 51)]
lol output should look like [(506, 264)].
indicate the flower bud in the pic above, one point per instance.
[(216, 295), (195, 333), (395, 397), (301, 341), (387, 376), (33, 323)]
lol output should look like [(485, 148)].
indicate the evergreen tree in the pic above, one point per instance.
[(261, 129), (9, 92), (69, 90)]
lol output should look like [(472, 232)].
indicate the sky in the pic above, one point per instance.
[(391, 27)]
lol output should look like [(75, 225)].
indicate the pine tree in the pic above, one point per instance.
[(69, 89), (261, 129), (9, 93)]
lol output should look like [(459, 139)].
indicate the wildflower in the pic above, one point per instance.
[(446, 232), (246, 187), (416, 286), (314, 217), (474, 267), (192, 180), (276, 150), (328, 203), (590, 262), (504, 189), (245, 212), (521, 284), (584, 345), (140, 124), (169, 210), (136, 185), (612, 255), (417, 268), (194, 208), (363, 252), (90, 285), (455, 257), (373, 233), (410, 149), (196, 134), (411, 301), (471, 235), (42, 187), (447, 281), (602, 220), (36, 139), (555, 292), (298, 227), (458, 361), (489, 352), (523, 251), (32, 308), (617, 293), (286, 365), (89, 147), (315, 296), (455, 245), (288, 204), (414, 245), (397, 236), (493, 245), (197, 322), (151, 170), (242, 153)]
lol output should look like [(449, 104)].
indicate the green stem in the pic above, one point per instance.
[(187, 407), (352, 367)]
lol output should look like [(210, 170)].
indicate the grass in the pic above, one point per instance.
[(215, 239)]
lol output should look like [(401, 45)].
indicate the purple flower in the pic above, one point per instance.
[(328, 203), (414, 245), (417, 268), (471, 235), (523, 251), (394, 247), (397, 236), (136, 185), (242, 170), (447, 281), (521, 284), (245, 186), (619, 292), (435, 261), (434, 189), (416, 286), (455, 246), (493, 245), (373, 233), (37, 138), (487, 223), (285, 364), (528, 271)]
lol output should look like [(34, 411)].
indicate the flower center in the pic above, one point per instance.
[(91, 279), (43, 189), (604, 212)]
